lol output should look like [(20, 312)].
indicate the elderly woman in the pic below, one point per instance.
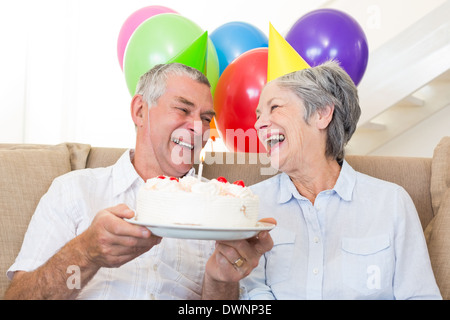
[(340, 234)]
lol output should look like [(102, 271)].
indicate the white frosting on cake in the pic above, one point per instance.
[(188, 201)]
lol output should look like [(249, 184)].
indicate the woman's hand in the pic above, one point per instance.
[(233, 261)]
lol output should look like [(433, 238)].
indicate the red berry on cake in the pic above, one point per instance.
[(239, 183), (174, 178), (161, 177), (222, 179)]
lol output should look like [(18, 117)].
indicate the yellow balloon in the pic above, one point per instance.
[(283, 58)]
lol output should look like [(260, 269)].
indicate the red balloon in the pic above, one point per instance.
[(236, 98)]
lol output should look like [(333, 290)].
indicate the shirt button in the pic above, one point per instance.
[(152, 296), (316, 239), (315, 271), (155, 267)]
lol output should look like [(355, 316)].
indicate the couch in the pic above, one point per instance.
[(26, 172)]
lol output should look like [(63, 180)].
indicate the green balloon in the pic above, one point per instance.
[(161, 39)]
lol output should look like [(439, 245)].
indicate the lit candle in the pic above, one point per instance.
[(213, 138), (200, 166)]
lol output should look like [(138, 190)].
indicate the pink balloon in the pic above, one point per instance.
[(132, 22)]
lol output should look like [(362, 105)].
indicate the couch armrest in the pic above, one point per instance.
[(440, 172), (439, 246)]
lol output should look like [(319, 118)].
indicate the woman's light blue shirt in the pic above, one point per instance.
[(361, 240)]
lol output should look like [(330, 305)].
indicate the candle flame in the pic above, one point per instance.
[(202, 155)]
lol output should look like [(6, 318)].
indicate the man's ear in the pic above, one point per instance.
[(137, 110), (324, 116)]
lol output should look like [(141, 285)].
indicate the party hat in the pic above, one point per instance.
[(195, 54), (283, 58)]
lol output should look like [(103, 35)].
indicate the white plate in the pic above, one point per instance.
[(204, 233)]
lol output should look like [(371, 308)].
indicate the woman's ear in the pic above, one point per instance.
[(137, 110), (324, 116)]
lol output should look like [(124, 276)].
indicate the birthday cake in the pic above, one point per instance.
[(188, 201)]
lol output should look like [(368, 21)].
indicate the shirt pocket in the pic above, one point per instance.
[(279, 259), (367, 264)]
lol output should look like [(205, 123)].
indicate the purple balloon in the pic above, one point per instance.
[(326, 34)]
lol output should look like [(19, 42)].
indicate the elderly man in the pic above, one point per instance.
[(79, 224)]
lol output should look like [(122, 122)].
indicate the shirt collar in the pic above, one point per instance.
[(344, 185), (287, 189), (124, 174)]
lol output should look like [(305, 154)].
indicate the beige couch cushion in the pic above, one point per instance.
[(78, 155), (103, 157), (26, 172)]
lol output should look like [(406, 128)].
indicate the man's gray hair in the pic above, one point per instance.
[(152, 84), (327, 85)]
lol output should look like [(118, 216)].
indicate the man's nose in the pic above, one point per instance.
[(196, 126)]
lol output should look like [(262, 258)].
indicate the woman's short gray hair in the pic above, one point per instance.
[(326, 85), (152, 84)]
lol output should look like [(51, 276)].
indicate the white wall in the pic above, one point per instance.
[(420, 140)]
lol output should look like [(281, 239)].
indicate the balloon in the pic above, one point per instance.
[(162, 38), (132, 22), (236, 98), (234, 38), (326, 34)]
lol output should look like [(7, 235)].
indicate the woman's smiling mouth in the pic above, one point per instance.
[(273, 140)]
